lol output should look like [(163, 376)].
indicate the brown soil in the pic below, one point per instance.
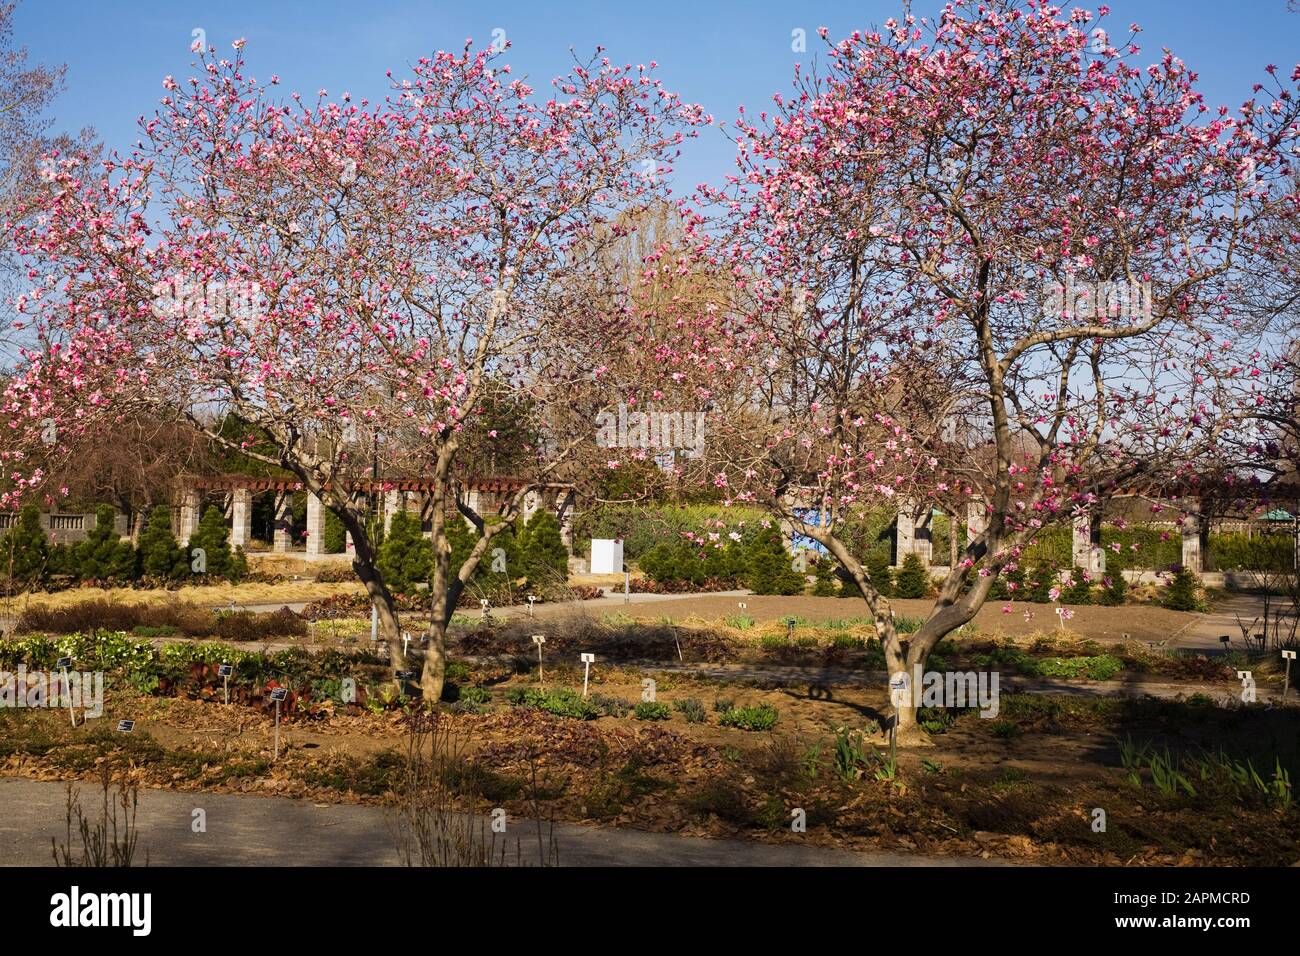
[(1137, 622), (971, 791)]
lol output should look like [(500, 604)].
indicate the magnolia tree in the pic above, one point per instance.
[(351, 280), (986, 259)]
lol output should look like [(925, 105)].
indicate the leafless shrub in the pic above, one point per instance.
[(102, 844), (434, 822)]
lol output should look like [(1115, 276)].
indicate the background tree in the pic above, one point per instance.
[(160, 556), (353, 281), (406, 556), (213, 537), (543, 557), (104, 556), (899, 225), (25, 549)]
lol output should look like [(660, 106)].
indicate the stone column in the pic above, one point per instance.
[(1192, 543), (349, 548), (475, 501), (1086, 550), (283, 522), (315, 526), (189, 515), (977, 518), (923, 543), (241, 518), (393, 503), (904, 532), (532, 501)]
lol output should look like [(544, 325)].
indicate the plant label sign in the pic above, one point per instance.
[(1288, 655), (125, 726), (279, 693), (405, 675), (898, 689), (63, 663), (587, 658), (225, 670)]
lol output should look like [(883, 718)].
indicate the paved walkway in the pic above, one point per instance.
[(247, 830), (1228, 617)]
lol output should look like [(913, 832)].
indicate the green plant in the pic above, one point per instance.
[(1101, 667), (1113, 589), (913, 578), (1132, 756), (561, 702), (473, 695), (1080, 589), (760, 717), (722, 704), (28, 548), (1181, 594), (160, 555), (879, 572), (825, 584), (610, 706), (769, 568), (213, 537), (1166, 775), (542, 552), (886, 767), (651, 710), (849, 756), (692, 710), (104, 556), (1005, 729), (406, 556)]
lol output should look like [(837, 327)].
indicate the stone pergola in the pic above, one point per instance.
[(398, 495), (912, 535)]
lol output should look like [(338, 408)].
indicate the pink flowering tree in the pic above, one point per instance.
[(350, 279), (991, 257)]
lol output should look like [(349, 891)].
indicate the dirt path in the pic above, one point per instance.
[(248, 830)]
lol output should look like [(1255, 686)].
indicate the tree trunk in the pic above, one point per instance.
[(381, 599)]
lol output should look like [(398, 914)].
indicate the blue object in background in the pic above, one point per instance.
[(808, 516)]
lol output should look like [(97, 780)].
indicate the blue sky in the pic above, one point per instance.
[(718, 54)]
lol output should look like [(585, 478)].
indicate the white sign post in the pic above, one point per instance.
[(539, 640), (1287, 656), (277, 695), (531, 599), (64, 663), (587, 661), (224, 670)]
